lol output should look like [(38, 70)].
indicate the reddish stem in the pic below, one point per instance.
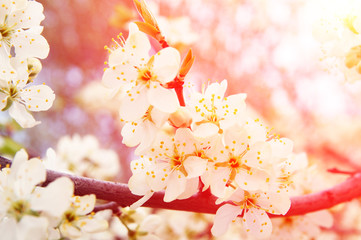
[(179, 91), (177, 84), (204, 202), (338, 171)]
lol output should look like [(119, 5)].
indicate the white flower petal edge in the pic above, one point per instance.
[(55, 198), (224, 216), (20, 115)]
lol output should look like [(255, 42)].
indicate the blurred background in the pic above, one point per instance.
[(263, 48)]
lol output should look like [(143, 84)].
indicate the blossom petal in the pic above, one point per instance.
[(30, 174), (55, 198), (191, 188), (136, 49), (275, 202), (21, 116), (70, 231), (253, 180), (84, 204), (257, 223), (176, 186), (21, 157), (119, 75), (195, 166), (138, 184), (281, 148), (166, 64), (38, 98), (28, 44), (205, 130), (219, 181), (5, 9), (30, 226), (133, 106), (216, 89), (28, 17), (164, 99), (224, 216), (6, 70), (131, 134), (92, 225), (258, 156)]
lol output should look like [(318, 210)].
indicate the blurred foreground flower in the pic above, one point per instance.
[(83, 156)]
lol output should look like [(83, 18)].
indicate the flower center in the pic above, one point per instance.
[(144, 74), (12, 92), (249, 201), (6, 33), (70, 216), (20, 208), (176, 162), (234, 162)]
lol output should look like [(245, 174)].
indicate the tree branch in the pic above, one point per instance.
[(203, 202)]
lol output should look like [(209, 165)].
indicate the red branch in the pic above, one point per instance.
[(204, 202)]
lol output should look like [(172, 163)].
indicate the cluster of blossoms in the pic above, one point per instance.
[(52, 212), (208, 143), (338, 31), (20, 47), (83, 156)]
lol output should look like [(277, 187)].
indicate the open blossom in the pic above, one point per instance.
[(19, 98), (20, 29), (286, 170), (142, 78), (83, 156), (25, 208), (253, 206), (212, 112), (143, 131), (173, 164), (78, 219), (247, 159)]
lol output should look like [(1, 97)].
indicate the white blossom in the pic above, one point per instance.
[(79, 219), (20, 29), (25, 208), (142, 78), (213, 113), (19, 96), (253, 207), (83, 156)]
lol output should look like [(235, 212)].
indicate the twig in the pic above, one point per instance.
[(204, 202)]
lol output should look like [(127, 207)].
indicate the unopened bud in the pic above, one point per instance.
[(181, 118), (34, 67)]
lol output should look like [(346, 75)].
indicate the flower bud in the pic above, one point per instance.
[(34, 67), (181, 118)]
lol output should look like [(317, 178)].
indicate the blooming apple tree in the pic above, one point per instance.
[(202, 152)]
